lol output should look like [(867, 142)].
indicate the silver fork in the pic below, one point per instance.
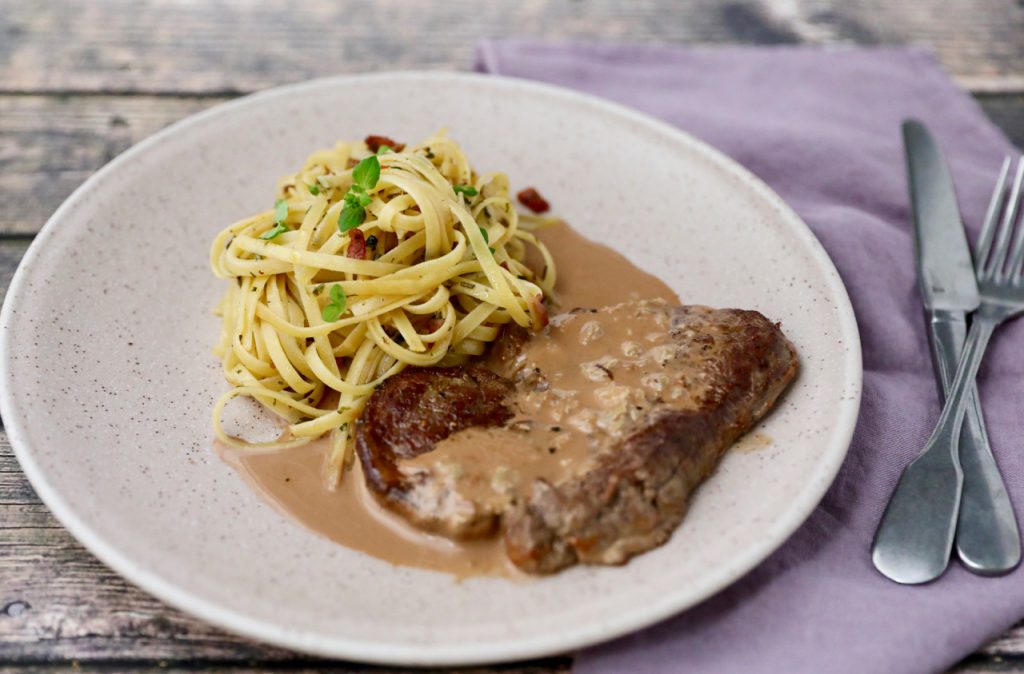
[(915, 536)]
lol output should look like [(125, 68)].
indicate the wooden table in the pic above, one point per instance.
[(79, 84)]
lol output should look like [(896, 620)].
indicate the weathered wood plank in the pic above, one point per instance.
[(300, 667), (50, 144), (976, 665), (1007, 111), (1008, 645), (11, 253), (237, 46)]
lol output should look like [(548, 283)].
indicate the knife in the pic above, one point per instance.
[(987, 538)]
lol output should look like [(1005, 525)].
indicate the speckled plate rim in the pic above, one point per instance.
[(833, 452)]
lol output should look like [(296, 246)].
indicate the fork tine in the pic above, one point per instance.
[(994, 269), (1017, 255), (984, 246)]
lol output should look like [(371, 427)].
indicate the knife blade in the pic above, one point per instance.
[(944, 264), (987, 537)]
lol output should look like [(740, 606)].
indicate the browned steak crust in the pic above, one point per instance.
[(637, 494), (730, 364), (407, 416)]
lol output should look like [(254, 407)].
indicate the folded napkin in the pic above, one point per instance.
[(821, 127)]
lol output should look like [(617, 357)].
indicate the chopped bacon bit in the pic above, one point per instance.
[(356, 245), (541, 310), (374, 143), (532, 199), (352, 163), (434, 324), (504, 265)]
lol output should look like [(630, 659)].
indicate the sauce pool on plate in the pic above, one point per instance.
[(593, 275), (292, 481)]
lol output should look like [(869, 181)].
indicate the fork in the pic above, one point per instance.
[(915, 537)]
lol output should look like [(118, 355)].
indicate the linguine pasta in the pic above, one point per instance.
[(367, 264)]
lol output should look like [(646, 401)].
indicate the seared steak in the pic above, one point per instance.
[(407, 416), (589, 443), (637, 494)]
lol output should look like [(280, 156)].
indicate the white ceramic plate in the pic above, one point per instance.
[(107, 376)]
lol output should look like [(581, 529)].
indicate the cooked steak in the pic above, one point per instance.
[(589, 444), (637, 494), (406, 417)]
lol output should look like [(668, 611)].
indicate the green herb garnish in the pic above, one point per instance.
[(384, 149), (280, 215), (280, 211), (336, 308), (314, 189), (468, 190), (364, 178), (275, 232), (487, 238), (366, 173), (351, 218), (319, 288), (358, 199)]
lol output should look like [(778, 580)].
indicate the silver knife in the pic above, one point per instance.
[(987, 538)]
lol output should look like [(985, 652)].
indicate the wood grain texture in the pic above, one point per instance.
[(50, 144), (237, 46), (980, 665), (1007, 111), (194, 666), (1008, 645), (11, 253)]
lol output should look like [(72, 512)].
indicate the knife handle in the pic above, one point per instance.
[(987, 537)]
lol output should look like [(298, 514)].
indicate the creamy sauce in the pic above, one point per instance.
[(589, 275), (624, 364), (292, 481)]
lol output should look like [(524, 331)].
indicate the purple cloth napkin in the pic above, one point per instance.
[(821, 127)]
